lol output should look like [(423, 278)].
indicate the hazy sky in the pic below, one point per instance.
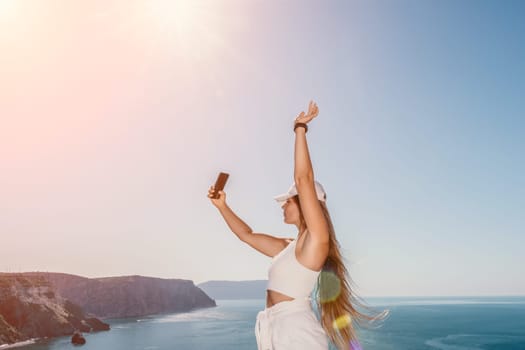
[(116, 116)]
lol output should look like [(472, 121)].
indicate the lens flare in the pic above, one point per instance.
[(342, 322), (354, 345), (332, 288)]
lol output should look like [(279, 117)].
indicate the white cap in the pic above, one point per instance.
[(319, 190)]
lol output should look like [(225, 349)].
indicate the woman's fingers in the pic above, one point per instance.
[(211, 191), (313, 111), (311, 107)]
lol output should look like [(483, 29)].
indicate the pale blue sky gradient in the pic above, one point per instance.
[(113, 128)]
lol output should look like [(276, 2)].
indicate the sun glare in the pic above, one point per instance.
[(178, 15), (192, 28), (7, 8)]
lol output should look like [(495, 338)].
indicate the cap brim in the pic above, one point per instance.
[(282, 198)]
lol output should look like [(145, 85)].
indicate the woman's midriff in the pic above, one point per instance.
[(273, 297)]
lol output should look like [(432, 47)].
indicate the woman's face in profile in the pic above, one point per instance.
[(291, 211)]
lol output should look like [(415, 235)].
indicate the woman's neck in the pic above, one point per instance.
[(300, 230)]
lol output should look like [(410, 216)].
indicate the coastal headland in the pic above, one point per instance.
[(44, 304)]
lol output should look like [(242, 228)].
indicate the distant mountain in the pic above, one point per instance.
[(235, 289), (130, 296), (30, 308)]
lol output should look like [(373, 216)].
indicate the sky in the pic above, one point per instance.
[(116, 116)]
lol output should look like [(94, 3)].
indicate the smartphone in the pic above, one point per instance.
[(219, 184)]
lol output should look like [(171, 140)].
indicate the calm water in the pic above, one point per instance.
[(450, 323)]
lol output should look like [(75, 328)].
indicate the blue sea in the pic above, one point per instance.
[(446, 323)]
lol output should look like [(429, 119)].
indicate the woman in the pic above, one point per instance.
[(298, 266)]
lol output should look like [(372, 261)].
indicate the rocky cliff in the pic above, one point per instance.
[(129, 296), (38, 304), (31, 308)]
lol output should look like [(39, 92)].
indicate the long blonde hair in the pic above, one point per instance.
[(339, 306)]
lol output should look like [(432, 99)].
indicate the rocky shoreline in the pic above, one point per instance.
[(31, 308), (18, 344), (36, 305)]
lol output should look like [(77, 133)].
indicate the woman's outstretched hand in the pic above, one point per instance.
[(218, 202), (313, 111)]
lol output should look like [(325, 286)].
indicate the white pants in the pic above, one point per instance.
[(290, 325)]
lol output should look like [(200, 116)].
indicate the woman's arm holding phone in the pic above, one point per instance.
[(264, 243)]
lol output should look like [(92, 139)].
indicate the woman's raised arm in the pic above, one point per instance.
[(304, 181)]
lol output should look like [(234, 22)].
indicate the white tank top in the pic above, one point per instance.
[(288, 276)]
